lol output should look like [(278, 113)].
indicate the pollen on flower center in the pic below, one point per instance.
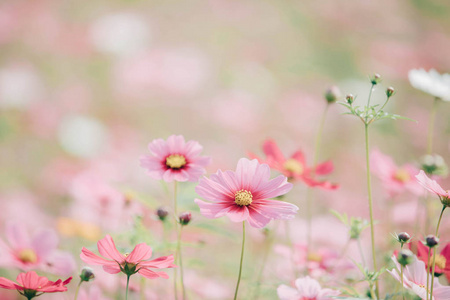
[(175, 161), (440, 261), (28, 256), (243, 197), (402, 176), (293, 166), (314, 257)]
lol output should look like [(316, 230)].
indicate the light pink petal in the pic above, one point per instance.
[(256, 219), (44, 243), (324, 168), (175, 144), (271, 149), (90, 258), (201, 161), (441, 293), (245, 171), (212, 210), (287, 293), (30, 280), (158, 148), (260, 178), (228, 181), (112, 268), (192, 149), (214, 191), (61, 263), (17, 235), (168, 175), (159, 263), (273, 188), (300, 157), (276, 209), (7, 284), (152, 163), (108, 249), (152, 274), (237, 213), (140, 252), (382, 165), (430, 185), (308, 287)]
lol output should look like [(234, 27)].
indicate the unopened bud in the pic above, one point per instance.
[(403, 237), (87, 274), (162, 213), (434, 165), (375, 79), (332, 94), (404, 257), (390, 92), (431, 241), (185, 218), (350, 98)]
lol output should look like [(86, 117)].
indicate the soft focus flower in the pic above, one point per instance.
[(434, 187), (134, 262), (442, 260), (431, 82), (295, 166), (395, 179), (306, 288), (242, 195), (31, 285), (415, 279), (38, 251), (175, 159)]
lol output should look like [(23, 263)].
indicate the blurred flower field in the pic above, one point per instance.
[(224, 149)]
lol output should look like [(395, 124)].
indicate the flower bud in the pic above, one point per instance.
[(350, 98), (87, 274), (403, 237), (405, 257), (162, 213), (434, 165), (390, 92), (431, 241), (375, 79), (185, 218), (332, 94)]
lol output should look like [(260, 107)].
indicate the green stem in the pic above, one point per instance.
[(369, 191), (401, 276), (78, 290), (368, 100), (434, 252), (242, 258), (128, 282), (431, 126), (175, 209), (181, 262), (428, 272)]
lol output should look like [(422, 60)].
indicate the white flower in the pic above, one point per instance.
[(431, 82)]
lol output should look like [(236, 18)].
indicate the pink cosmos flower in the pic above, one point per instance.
[(415, 279), (30, 284), (38, 251), (395, 179), (306, 288), (175, 159), (242, 195), (295, 167), (135, 262), (432, 186)]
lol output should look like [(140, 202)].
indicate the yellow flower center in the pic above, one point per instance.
[(243, 197), (402, 176), (314, 257), (28, 256), (440, 261), (293, 166), (175, 161)]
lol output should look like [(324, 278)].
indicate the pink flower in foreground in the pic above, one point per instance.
[(295, 167), (175, 159), (31, 285), (395, 179), (434, 187), (306, 288), (38, 251), (135, 262), (415, 279), (242, 195)]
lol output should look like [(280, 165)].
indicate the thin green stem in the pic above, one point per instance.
[(369, 191), (435, 250), (128, 282), (428, 272), (175, 209), (181, 262), (240, 264), (370, 97), (78, 289), (401, 276), (431, 126)]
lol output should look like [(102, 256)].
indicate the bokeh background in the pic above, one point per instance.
[(86, 85)]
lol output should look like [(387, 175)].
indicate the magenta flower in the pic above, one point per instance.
[(242, 195), (434, 187), (395, 179), (175, 159), (31, 285), (135, 262), (306, 288)]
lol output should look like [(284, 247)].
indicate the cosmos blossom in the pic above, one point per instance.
[(433, 187), (243, 195), (175, 159), (442, 265), (395, 179), (295, 167), (415, 279), (431, 82), (31, 285), (135, 262), (306, 288)]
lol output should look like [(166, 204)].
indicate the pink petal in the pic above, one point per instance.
[(90, 258), (273, 188), (237, 213), (228, 181), (245, 171), (140, 252), (324, 168), (212, 210), (112, 268), (158, 148), (7, 284), (159, 263), (108, 249), (17, 235), (271, 149), (175, 144), (430, 185), (382, 165), (214, 190), (287, 293), (152, 274), (298, 156), (192, 149), (256, 219), (45, 243), (276, 209), (61, 263)]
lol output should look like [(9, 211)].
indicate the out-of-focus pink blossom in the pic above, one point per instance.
[(306, 288), (433, 187), (242, 195), (38, 251), (94, 293)]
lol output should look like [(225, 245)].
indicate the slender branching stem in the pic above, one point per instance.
[(78, 289), (434, 252), (242, 259), (128, 283)]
